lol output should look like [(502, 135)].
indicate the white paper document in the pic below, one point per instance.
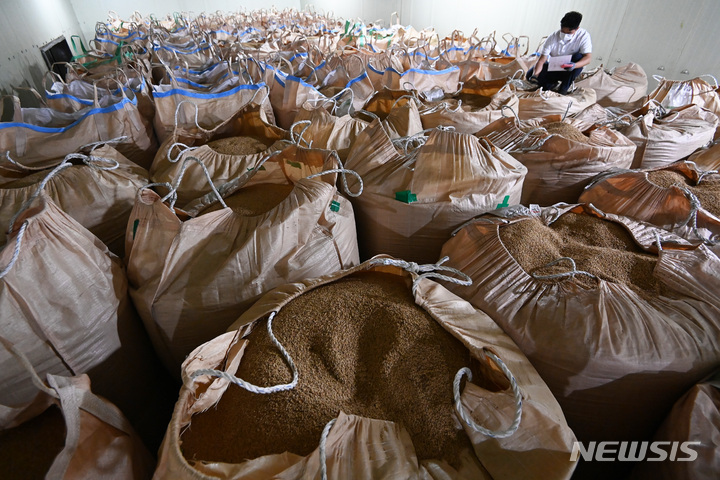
[(554, 64)]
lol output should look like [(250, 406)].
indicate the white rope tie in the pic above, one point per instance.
[(197, 110), (427, 271), (323, 448), (307, 124), (112, 141), (692, 217), (342, 171), (94, 161), (16, 253), (571, 273), (249, 386), (186, 148), (567, 110), (516, 393), (24, 167), (186, 163), (658, 241), (36, 193)]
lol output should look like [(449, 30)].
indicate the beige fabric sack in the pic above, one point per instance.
[(679, 93), (98, 440), (411, 203), (97, 190), (399, 111), (463, 114), (364, 448), (671, 207), (64, 304), (615, 359), (620, 86), (666, 138), (541, 103), (288, 94), (558, 166), (694, 418), (707, 158), (250, 121), (42, 137), (191, 276), (327, 131)]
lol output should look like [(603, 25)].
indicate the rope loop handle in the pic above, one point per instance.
[(323, 448), (197, 110), (249, 386), (93, 161), (516, 394), (692, 216), (571, 273), (427, 271), (172, 196), (343, 175), (16, 252), (567, 110), (296, 141), (186, 148)]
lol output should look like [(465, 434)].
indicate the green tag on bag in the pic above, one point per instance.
[(335, 206), (135, 225), (406, 196), (504, 202), (294, 164)]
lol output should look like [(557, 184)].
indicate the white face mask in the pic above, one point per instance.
[(566, 37)]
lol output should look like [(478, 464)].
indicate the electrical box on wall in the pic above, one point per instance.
[(56, 54)]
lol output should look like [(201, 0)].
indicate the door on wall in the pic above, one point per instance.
[(56, 54)]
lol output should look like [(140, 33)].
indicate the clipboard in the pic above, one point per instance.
[(554, 63)]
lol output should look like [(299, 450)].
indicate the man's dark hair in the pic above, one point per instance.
[(571, 20)]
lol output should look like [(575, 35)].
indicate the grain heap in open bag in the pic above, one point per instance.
[(666, 137), (42, 136), (328, 131), (560, 159), (67, 432), (98, 190), (191, 277), (618, 87), (380, 356), (679, 198), (541, 103), (694, 418), (411, 203), (64, 304), (398, 110), (627, 342), (228, 150), (476, 105)]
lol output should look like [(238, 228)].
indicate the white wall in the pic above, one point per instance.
[(25, 26)]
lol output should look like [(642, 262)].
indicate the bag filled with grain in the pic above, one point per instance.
[(398, 110), (664, 137), (617, 329), (234, 146), (67, 432), (382, 352), (414, 199), (617, 87), (98, 190), (64, 304), (680, 198), (560, 159), (321, 129), (192, 272), (695, 418)]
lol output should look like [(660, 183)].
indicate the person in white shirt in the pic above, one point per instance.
[(569, 40)]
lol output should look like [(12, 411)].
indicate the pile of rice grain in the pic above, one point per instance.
[(598, 246), (563, 129), (28, 450), (707, 191), (237, 146), (361, 345), (254, 199)]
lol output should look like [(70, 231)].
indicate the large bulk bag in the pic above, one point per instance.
[(399, 111), (680, 198), (97, 190), (679, 93), (465, 112), (666, 137), (64, 304), (412, 202), (190, 277), (617, 87), (541, 103), (392, 398), (287, 95), (226, 151), (327, 131), (618, 330), (707, 158), (559, 158), (694, 418), (41, 136), (421, 80), (68, 432)]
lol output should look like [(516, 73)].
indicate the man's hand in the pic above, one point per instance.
[(568, 66)]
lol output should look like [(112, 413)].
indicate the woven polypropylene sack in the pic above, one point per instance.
[(365, 448), (191, 277), (627, 353), (412, 203), (542, 103), (625, 84)]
